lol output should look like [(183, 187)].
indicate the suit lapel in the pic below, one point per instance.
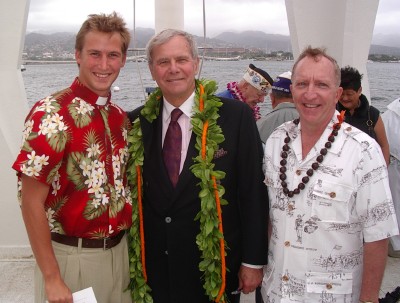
[(152, 138), (186, 175), (147, 133)]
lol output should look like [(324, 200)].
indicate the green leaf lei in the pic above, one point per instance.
[(208, 240)]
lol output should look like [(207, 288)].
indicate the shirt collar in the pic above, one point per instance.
[(395, 106), (101, 100), (186, 108), (83, 92), (336, 146)]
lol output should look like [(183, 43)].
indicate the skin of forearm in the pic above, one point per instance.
[(34, 194), (375, 254)]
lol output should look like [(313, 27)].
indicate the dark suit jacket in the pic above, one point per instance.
[(172, 255)]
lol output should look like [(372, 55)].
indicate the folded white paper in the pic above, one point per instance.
[(84, 296)]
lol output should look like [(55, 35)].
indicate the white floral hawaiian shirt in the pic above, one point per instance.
[(316, 245)]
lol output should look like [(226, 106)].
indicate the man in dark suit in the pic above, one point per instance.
[(171, 221)]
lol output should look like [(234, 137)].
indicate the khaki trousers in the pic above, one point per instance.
[(107, 271)]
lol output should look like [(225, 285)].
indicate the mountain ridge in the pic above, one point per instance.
[(64, 42)]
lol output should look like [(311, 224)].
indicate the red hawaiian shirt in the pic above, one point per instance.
[(79, 149)]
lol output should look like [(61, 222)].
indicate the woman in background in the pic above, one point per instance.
[(359, 112)]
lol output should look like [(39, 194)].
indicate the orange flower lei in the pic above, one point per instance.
[(205, 127), (217, 200)]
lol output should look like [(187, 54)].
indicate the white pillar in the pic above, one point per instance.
[(14, 108), (169, 14), (344, 27)]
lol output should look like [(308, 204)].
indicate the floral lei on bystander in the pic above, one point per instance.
[(237, 94)]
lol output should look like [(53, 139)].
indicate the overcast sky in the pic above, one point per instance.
[(268, 16)]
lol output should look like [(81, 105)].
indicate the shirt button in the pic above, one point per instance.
[(332, 195), (298, 172), (348, 128), (168, 219), (290, 206), (285, 278), (329, 286), (287, 243)]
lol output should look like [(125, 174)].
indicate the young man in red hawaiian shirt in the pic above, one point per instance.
[(71, 175)]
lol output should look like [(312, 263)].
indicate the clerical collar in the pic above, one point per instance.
[(83, 92), (101, 100)]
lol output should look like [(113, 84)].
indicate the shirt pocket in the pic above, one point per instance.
[(331, 283), (331, 201)]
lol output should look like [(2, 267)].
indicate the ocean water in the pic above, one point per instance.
[(42, 80)]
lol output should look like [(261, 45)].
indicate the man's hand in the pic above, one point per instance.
[(58, 292), (249, 278), (34, 195)]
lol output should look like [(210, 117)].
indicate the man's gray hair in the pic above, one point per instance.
[(166, 35)]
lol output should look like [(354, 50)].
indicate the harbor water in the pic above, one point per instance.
[(44, 79)]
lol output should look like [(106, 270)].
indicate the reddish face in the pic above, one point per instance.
[(350, 98), (252, 95), (315, 91), (100, 61), (174, 69)]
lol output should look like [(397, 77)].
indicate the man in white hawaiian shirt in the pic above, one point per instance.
[(333, 177)]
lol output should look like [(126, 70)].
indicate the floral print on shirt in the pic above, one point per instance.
[(316, 245), (79, 149)]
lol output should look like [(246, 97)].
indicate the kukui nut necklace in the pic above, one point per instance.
[(314, 166)]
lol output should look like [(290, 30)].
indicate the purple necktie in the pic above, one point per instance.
[(172, 147)]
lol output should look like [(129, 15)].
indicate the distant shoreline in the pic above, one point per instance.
[(42, 62), (38, 62)]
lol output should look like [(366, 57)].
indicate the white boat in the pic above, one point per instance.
[(23, 68), (208, 58)]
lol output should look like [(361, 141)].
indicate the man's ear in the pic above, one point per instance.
[(78, 57), (197, 63), (151, 71)]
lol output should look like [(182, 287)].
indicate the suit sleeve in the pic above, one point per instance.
[(253, 194), (132, 115)]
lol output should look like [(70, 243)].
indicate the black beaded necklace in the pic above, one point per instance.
[(314, 166)]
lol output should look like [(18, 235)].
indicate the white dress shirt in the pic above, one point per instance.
[(184, 123)]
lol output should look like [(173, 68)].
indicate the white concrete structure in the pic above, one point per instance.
[(14, 108), (169, 14), (343, 27)]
